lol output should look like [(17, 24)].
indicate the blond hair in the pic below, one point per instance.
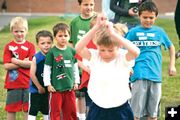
[(103, 38), (18, 21)]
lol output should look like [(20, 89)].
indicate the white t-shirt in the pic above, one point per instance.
[(108, 85)]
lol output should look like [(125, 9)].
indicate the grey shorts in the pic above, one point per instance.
[(145, 99)]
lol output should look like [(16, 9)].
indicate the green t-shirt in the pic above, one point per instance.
[(79, 27), (62, 65)]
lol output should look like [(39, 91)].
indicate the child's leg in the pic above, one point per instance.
[(81, 108), (69, 106), (11, 115), (139, 98), (81, 105), (55, 100), (154, 100)]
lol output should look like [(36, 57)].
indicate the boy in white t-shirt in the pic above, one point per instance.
[(110, 67)]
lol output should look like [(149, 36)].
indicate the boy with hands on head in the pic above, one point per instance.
[(108, 89)]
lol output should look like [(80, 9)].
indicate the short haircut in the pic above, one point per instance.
[(43, 33), (103, 38), (61, 27), (80, 1), (148, 6), (19, 21)]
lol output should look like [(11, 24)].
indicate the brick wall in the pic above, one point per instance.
[(68, 6), (45, 6)]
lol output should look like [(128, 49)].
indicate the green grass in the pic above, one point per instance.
[(170, 85)]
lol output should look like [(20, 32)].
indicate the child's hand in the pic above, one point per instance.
[(41, 90), (75, 87), (131, 72), (51, 88), (172, 70), (101, 20), (14, 60), (110, 28), (26, 59)]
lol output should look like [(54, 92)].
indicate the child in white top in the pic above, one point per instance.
[(110, 67)]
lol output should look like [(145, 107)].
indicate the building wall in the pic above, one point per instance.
[(68, 6), (45, 6)]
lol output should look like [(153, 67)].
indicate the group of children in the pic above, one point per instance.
[(106, 54)]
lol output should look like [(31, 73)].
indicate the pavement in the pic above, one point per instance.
[(5, 18)]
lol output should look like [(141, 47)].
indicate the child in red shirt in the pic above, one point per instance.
[(17, 60)]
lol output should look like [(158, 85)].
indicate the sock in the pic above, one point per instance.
[(77, 114), (82, 116), (45, 117), (31, 117)]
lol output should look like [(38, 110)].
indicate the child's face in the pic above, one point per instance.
[(44, 44), (147, 18), (62, 38), (19, 33), (107, 54), (87, 8)]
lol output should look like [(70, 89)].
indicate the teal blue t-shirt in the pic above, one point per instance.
[(148, 66)]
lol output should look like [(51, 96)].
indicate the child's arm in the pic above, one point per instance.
[(172, 68), (34, 78), (47, 78), (84, 67), (10, 66), (76, 76), (133, 51), (81, 45), (26, 63)]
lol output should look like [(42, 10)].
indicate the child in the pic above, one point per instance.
[(86, 71), (38, 93), (79, 27), (17, 60), (147, 77), (108, 89), (61, 75)]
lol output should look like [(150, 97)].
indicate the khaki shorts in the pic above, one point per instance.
[(145, 99)]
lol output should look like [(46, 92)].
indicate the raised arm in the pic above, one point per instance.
[(133, 51), (81, 45)]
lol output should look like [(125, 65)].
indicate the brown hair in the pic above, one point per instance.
[(103, 38), (61, 27), (43, 33)]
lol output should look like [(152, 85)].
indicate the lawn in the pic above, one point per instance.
[(170, 85)]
